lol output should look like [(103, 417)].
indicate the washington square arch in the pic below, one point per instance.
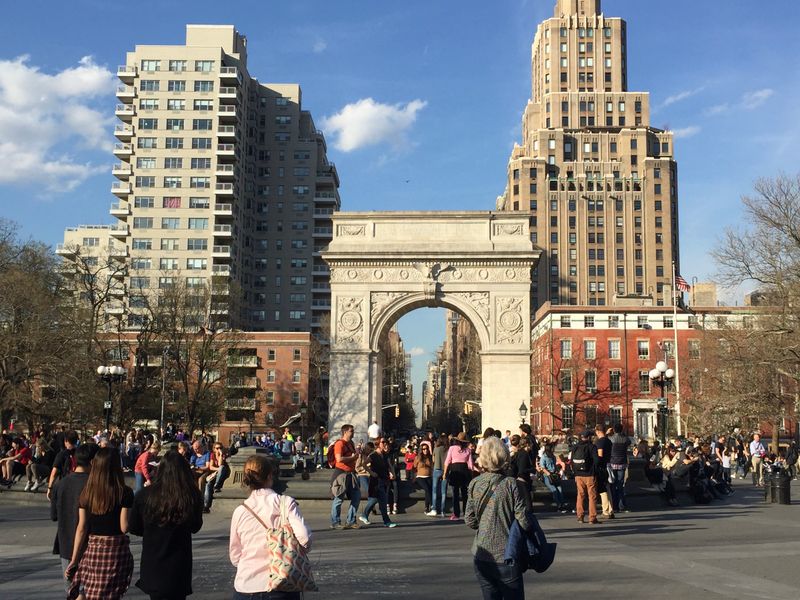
[(386, 264)]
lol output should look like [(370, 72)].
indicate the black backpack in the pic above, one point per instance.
[(582, 459)]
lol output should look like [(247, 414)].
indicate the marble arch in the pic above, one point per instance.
[(385, 264)]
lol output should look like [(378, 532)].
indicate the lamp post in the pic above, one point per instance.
[(110, 374), (661, 375), (165, 354), (303, 413), (523, 411)]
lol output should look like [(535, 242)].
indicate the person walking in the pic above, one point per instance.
[(617, 466), (494, 501), (144, 470), (520, 466), (102, 564), (603, 449), (250, 522), (381, 474), (64, 501), (438, 482), (757, 454), (584, 460), (344, 480), (423, 465), (362, 470), (458, 468), (166, 514)]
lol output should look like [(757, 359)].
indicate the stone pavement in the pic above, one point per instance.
[(736, 548)]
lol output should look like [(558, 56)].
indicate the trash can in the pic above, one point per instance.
[(778, 488)]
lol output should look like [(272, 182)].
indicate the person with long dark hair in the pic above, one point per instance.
[(458, 468), (166, 514), (102, 563), (423, 463)]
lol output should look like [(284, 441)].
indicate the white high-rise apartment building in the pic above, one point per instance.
[(222, 180)]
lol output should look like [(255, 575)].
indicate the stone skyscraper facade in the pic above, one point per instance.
[(599, 182)]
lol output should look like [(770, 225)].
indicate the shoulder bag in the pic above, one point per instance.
[(289, 565)]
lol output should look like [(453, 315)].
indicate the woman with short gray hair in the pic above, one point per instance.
[(493, 502)]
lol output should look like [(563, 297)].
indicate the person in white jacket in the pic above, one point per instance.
[(248, 549)]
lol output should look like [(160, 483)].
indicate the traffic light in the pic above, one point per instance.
[(397, 411)]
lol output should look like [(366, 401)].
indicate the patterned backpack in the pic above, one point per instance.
[(289, 565)]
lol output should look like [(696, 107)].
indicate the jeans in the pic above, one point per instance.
[(499, 581), (381, 500), (459, 499), (208, 492), (318, 456), (363, 485), (617, 488), (558, 494), (267, 596), (138, 485), (439, 491), (336, 507), (425, 484)]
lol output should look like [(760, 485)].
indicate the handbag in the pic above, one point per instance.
[(289, 565), (555, 479)]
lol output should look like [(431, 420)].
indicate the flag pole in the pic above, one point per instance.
[(675, 333)]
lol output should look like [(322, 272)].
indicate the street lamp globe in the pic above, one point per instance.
[(661, 366), (669, 374), (101, 370), (654, 374), (523, 410)]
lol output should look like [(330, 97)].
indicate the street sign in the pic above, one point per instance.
[(107, 405), (661, 401)]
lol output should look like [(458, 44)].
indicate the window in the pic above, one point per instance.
[(195, 202), (614, 381), (142, 244), (170, 244), (168, 264), (200, 182), (694, 349), (196, 263), (643, 348), (197, 244), (590, 380), (667, 322), (176, 85), (171, 202), (143, 202), (173, 163), (203, 105), (565, 321), (298, 280), (644, 382), (201, 163), (615, 413), (295, 397), (270, 399), (140, 283), (296, 354), (567, 417), (148, 123), (588, 321), (198, 223), (613, 349), (641, 322), (613, 321), (204, 65), (566, 349), (175, 104), (201, 124), (148, 85), (173, 143), (143, 223), (203, 86), (172, 182), (271, 375), (177, 65), (589, 349), (170, 223), (296, 376), (201, 143), (148, 104)]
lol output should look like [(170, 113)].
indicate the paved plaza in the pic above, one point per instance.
[(738, 548)]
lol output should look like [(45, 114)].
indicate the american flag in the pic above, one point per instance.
[(680, 284)]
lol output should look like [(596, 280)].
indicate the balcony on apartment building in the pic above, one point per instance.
[(125, 111), (226, 131), (228, 93), (226, 171), (122, 170), (126, 92), (248, 361), (227, 111), (223, 210), (123, 132), (229, 74), (126, 73), (248, 383), (221, 252), (223, 230), (121, 188), (240, 404), (223, 189), (123, 149), (119, 230)]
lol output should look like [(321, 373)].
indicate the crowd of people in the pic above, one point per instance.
[(174, 482)]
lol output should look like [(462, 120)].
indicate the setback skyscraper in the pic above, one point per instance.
[(599, 182)]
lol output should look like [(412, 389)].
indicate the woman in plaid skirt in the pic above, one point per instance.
[(102, 564)]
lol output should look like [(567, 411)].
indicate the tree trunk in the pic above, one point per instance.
[(775, 436)]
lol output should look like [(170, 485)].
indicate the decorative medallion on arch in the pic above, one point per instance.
[(384, 265)]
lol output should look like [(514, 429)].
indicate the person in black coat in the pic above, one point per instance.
[(166, 514)]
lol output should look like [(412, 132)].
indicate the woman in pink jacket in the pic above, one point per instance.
[(248, 548), (458, 468)]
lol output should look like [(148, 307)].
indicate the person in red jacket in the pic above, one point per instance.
[(15, 462), (145, 466)]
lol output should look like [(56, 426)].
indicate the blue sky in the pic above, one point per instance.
[(447, 81)]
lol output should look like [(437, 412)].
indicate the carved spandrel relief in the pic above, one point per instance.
[(380, 300), (351, 230), (509, 229), (479, 301), (509, 324), (428, 273), (350, 325)]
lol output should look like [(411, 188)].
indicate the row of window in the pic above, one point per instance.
[(151, 65), (587, 381), (172, 162), (666, 347), (583, 47), (261, 315), (170, 223), (175, 85), (590, 416), (174, 143), (177, 124), (583, 32)]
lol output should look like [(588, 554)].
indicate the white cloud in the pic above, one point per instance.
[(369, 123), (752, 100), (718, 109), (686, 132), (320, 46), (681, 96), (417, 351), (44, 118)]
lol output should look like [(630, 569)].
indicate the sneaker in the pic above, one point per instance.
[(216, 491), (28, 487), (390, 525), (337, 526), (454, 518), (611, 516), (355, 525), (431, 513), (439, 514), (364, 520)]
